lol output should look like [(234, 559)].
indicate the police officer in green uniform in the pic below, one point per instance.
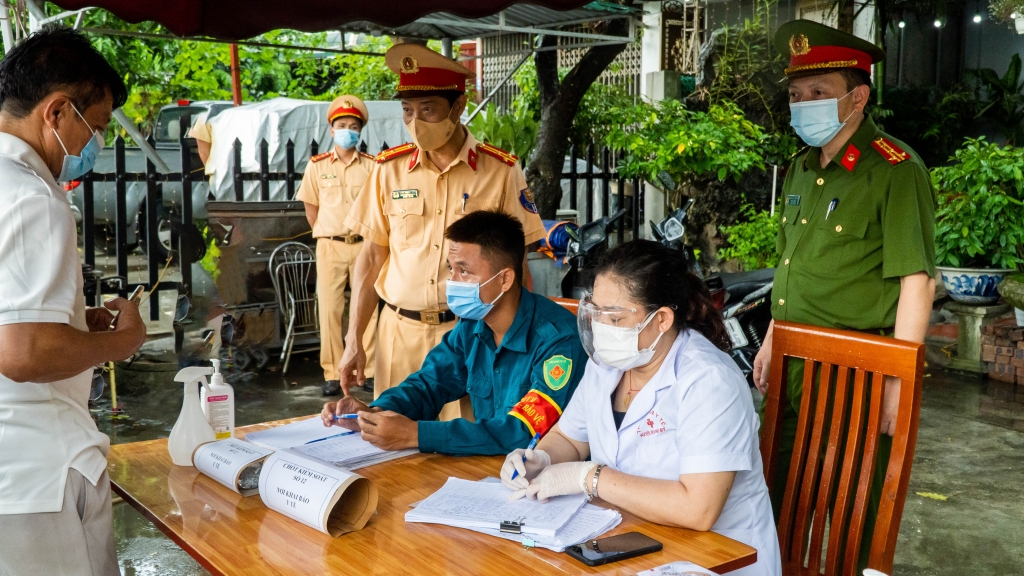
[(517, 355), (856, 236)]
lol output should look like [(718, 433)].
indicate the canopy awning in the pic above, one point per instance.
[(240, 19)]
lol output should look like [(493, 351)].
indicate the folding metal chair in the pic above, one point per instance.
[(292, 269)]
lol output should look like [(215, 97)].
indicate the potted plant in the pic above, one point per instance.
[(1007, 11), (979, 229)]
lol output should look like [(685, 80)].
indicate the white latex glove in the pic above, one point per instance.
[(560, 480), (528, 463)]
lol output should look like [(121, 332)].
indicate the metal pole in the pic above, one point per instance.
[(264, 171), (237, 170), (236, 76), (589, 204), (446, 47), (88, 221), (289, 175), (775, 182), (184, 257), (605, 182), (5, 28), (121, 213), (573, 175), (152, 237)]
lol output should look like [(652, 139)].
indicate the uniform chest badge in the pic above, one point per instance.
[(526, 199), (651, 425), (404, 194), (793, 200), (557, 370), (325, 176)]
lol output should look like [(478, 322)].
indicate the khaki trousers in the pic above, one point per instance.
[(77, 541), (403, 344), (335, 262)]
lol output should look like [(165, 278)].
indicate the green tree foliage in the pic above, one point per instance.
[(980, 218), (751, 241), (1004, 100), (515, 132), (160, 71), (667, 142)]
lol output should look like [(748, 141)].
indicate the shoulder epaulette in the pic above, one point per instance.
[(890, 151), (498, 153), (395, 152), (367, 156), (320, 157)]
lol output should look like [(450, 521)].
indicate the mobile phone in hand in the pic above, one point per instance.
[(613, 548)]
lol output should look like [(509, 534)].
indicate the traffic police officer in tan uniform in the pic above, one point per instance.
[(329, 188), (413, 193), (856, 241)]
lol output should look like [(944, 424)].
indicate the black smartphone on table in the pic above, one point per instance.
[(613, 548)]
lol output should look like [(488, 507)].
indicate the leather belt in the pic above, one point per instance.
[(350, 239), (432, 317)]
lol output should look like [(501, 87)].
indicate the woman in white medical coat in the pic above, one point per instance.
[(662, 424)]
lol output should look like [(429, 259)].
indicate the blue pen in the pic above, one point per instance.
[(330, 437), (531, 446), (346, 417), (465, 197), (831, 206)]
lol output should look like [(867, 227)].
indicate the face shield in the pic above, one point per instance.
[(611, 334)]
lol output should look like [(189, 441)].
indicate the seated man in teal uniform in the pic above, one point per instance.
[(516, 354)]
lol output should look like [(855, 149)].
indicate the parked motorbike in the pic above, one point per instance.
[(585, 247), (743, 297)]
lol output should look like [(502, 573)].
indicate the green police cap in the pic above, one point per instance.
[(817, 49)]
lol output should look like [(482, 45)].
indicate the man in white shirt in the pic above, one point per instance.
[(56, 98)]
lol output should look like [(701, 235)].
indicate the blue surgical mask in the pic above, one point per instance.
[(816, 122), (464, 299), (346, 138), (75, 167)]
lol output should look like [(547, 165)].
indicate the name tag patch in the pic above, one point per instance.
[(404, 194), (328, 176), (792, 200)]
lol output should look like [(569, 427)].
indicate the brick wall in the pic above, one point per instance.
[(1003, 348)]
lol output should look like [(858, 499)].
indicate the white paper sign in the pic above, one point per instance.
[(301, 488), (224, 461)]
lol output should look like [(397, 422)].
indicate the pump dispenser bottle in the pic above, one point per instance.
[(191, 429), (218, 400)]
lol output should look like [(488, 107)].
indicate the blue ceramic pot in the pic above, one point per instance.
[(973, 285)]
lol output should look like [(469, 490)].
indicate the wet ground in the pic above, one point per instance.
[(971, 460)]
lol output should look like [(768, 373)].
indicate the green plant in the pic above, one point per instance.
[(1004, 103), (751, 242), (666, 142), (934, 123), (515, 132), (1006, 10), (980, 217)]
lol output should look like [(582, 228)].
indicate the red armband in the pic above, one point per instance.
[(538, 411)]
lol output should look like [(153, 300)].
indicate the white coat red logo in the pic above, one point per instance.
[(652, 424)]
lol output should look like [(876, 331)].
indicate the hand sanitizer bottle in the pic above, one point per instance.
[(191, 430), (218, 400)]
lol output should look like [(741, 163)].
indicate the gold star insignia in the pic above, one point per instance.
[(409, 65)]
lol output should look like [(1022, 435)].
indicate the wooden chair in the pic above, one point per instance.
[(822, 487), (569, 304)]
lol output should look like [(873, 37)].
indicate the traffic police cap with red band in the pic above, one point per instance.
[(818, 49), (347, 105), (420, 69)]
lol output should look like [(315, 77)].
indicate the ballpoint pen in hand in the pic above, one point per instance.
[(530, 446)]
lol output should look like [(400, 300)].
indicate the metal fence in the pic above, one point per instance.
[(599, 168), (602, 167), (154, 181)]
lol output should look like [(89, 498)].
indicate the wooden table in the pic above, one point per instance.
[(229, 534)]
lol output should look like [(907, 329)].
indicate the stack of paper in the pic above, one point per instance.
[(350, 451), (678, 569), (589, 523), (484, 506), (295, 434)]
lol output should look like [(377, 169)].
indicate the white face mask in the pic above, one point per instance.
[(620, 347)]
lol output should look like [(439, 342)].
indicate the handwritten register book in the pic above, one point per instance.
[(301, 471)]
